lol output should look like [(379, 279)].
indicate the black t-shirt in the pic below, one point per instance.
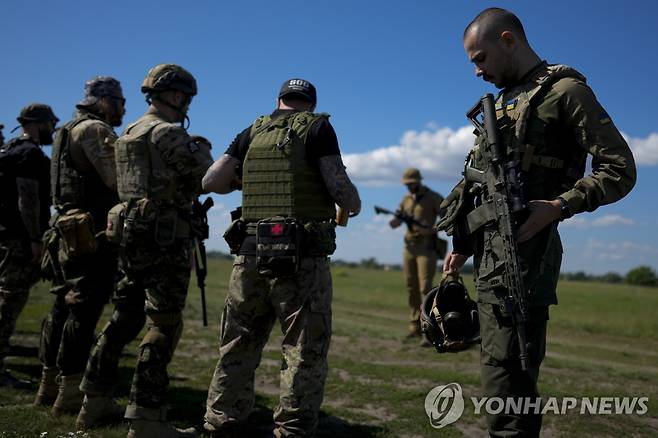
[(321, 140)]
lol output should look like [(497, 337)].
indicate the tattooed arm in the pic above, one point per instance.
[(338, 183), (222, 177), (29, 207)]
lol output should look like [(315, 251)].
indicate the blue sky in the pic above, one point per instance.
[(392, 74)]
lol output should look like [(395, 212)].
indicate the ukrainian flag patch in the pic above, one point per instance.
[(604, 118), (509, 106)]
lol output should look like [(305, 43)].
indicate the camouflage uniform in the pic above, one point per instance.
[(302, 305), (88, 279), (553, 117), (154, 257), (420, 249), (300, 301), (21, 158)]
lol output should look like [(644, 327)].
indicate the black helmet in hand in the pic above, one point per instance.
[(449, 317)]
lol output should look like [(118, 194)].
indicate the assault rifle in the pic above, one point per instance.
[(501, 193), (406, 218), (201, 233)]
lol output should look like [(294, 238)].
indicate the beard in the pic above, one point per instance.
[(45, 136)]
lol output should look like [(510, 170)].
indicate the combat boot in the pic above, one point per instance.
[(158, 429), (97, 411), (47, 387), (69, 398)]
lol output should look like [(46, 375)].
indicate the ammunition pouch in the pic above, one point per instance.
[(278, 242), (115, 222), (319, 239), (144, 220), (77, 232)]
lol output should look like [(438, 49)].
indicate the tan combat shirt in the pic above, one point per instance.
[(425, 208), (92, 148)]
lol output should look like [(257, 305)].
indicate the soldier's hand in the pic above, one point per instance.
[(395, 222), (542, 213), (37, 251), (454, 262)]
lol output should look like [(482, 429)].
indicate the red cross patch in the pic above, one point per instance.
[(276, 229)]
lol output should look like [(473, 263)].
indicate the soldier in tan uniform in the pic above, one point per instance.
[(421, 245), (548, 115), (83, 264), (24, 213)]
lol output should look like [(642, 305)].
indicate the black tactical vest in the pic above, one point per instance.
[(20, 158)]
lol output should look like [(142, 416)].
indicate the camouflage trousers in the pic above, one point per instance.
[(419, 265), (302, 304), (161, 274), (84, 287), (500, 370), (17, 275)]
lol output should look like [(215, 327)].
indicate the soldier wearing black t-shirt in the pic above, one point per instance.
[(287, 164)]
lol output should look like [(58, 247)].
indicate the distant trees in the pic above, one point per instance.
[(642, 276)]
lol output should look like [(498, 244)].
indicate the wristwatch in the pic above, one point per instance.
[(565, 211)]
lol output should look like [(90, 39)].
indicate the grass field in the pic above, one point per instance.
[(603, 341)]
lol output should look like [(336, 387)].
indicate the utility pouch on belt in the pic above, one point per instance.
[(278, 247), (165, 227), (77, 232), (319, 238), (115, 221), (235, 235)]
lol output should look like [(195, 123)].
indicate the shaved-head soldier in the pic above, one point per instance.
[(550, 117)]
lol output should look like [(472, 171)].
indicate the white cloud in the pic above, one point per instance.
[(625, 250), (645, 150), (438, 152), (612, 220), (608, 220)]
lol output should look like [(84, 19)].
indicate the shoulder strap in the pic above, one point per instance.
[(544, 81)]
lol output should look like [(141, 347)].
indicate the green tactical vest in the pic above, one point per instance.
[(72, 188), (551, 159), (277, 179), (140, 167)]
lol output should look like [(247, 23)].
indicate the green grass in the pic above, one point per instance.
[(603, 341)]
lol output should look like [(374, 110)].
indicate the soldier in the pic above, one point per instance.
[(159, 171), (421, 244), (289, 168), (25, 206), (83, 182), (552, 117)]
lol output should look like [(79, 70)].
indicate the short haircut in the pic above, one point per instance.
[(493, 21)]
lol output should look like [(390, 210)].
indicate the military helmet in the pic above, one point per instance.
[(165, 77), (36, 112), (100, 87), (411, 175), (449, 317)]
